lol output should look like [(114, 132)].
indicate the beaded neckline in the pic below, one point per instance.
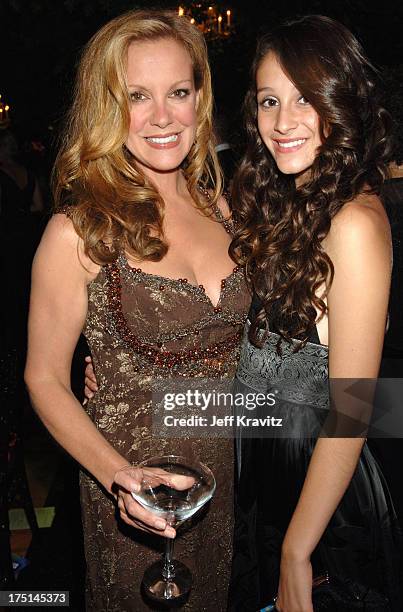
[(166, 280), (158, 355), (163, 281)]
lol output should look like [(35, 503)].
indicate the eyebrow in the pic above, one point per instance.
[(264, 89), (176, 84), (268, 88)]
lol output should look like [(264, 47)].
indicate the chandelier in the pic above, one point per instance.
[(4, 114), (212, 19)]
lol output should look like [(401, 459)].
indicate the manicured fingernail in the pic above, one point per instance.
[(160, 524), (170, 532), (136, 487)]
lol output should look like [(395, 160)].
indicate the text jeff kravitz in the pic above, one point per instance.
[(227, 421)]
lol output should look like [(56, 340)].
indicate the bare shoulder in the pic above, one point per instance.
[(360, 226), (60, 227), (61, 242)]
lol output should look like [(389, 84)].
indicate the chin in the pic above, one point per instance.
[(169, 164), (292, 168)]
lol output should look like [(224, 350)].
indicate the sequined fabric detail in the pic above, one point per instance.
[(164, 282)]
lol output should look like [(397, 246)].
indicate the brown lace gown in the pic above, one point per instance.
[(142, 327)]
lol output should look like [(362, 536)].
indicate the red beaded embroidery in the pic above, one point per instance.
[(210, 355), (162, 358)]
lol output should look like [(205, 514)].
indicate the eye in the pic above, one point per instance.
[(136, 96), (302, 100), (180, 93), (268, 102)]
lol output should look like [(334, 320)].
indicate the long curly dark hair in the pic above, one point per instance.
[(282, 226)]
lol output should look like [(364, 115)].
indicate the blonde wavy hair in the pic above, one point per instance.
[(112, 204)]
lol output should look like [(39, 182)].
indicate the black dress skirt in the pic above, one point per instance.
[(362, 541)]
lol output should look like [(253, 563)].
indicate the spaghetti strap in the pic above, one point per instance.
[(227, 222)]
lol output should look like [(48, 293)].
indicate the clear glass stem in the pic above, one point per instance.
[(168, 571)]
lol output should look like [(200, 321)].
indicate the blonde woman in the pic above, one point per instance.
[(138, 260)]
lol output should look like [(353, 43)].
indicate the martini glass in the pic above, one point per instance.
[(174, 488)]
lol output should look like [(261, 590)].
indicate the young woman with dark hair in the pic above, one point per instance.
[(315, 241)]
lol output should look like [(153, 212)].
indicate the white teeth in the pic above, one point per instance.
[(165, 140), (288, 145)]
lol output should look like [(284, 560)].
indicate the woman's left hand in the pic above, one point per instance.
[(295, 587)]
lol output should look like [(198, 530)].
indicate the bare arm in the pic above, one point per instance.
[(57, 313), (359, 246)]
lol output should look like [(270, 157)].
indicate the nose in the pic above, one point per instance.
[(286, 119), (161, 114)]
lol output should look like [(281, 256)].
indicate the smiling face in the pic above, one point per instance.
[(163, 102), (288, 125)]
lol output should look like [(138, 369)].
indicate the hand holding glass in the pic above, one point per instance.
[(174, 488)]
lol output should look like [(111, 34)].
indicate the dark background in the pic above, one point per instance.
[(41, 40), (40, 44)]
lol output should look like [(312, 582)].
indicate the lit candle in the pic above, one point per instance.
[(229, 18), (6, 108), (192, 21), (181, 11), (210, 18), (219, 24)]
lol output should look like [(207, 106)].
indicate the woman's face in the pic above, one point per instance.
[(163, 104), (287, 123)]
